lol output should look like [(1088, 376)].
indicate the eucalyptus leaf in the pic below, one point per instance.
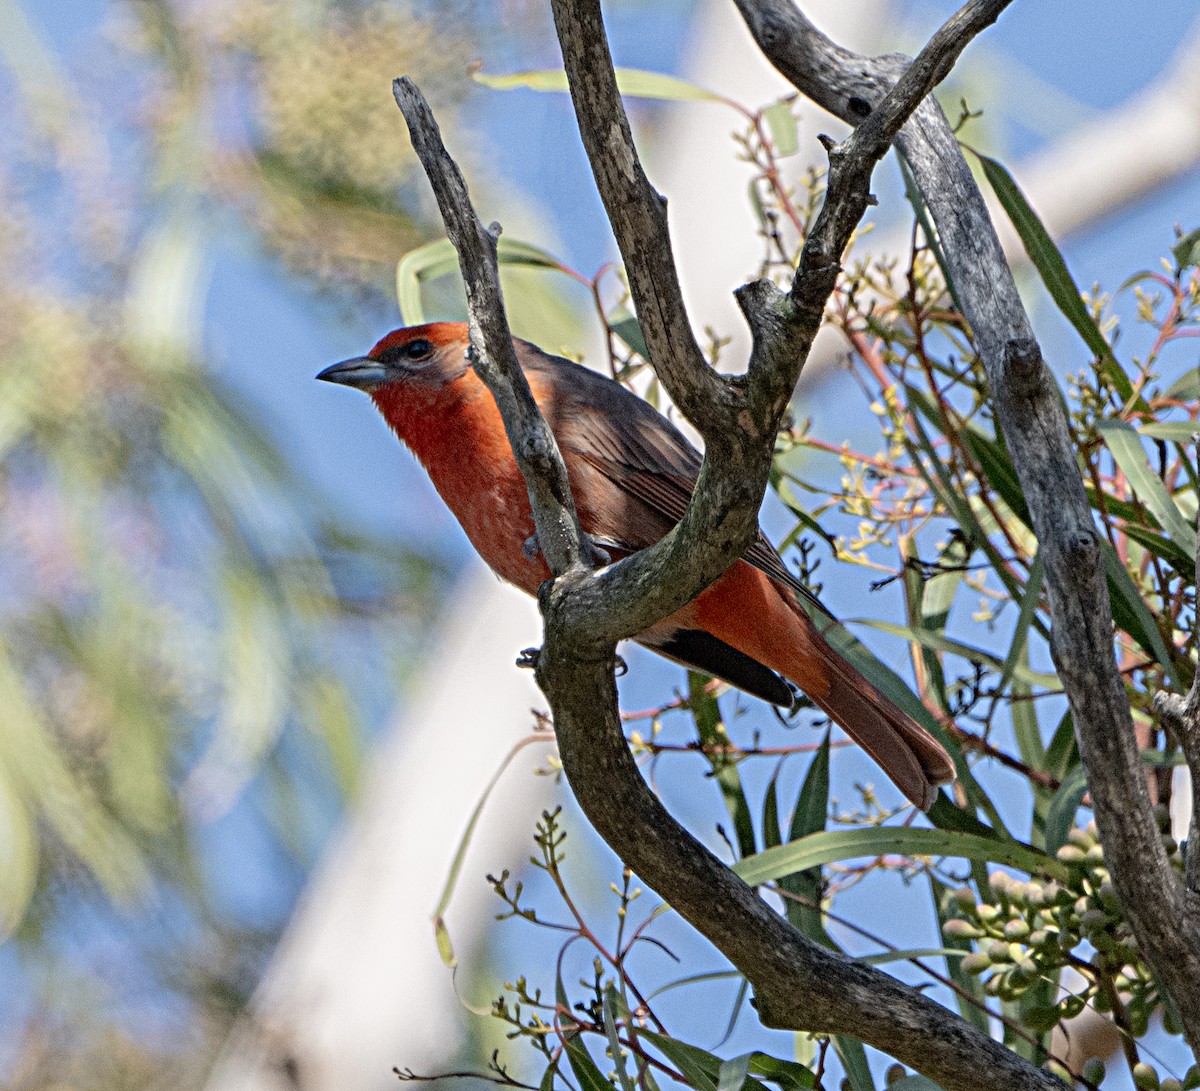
[(829, 846), (632, 82)]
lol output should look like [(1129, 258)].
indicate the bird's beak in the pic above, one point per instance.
[(362, 372)]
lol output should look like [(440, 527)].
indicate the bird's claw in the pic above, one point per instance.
[(528, 659), (600, 557), (532, 549)]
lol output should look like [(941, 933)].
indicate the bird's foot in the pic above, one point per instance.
[(532, 549), (528, 659), (600, 557)]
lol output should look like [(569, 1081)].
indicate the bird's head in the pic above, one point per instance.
[(413, 357)]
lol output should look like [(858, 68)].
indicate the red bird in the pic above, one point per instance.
[(631, 473)]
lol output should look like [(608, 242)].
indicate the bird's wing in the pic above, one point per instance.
[(639, 451)]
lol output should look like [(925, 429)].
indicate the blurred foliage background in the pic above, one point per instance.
[(184, 632)]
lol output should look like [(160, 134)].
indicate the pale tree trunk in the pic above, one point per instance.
[(355, 986)]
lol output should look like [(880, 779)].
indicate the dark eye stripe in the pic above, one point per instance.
[(408, 352)]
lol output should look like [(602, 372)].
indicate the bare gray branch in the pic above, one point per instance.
[(1165, 920)]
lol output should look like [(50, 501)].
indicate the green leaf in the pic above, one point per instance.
[(1162, 547), (1187, 250), (914, 1081), (1029, 603), (40, 771), (1000, 473), (1062, 755), (613, 1005), (938, 593), (1187, 387), (707, 715), (1175, 431), (588, 1075), (913, 193), (1132, 615), (731, 1076), (586, 1072), (953, 647), (440, 259), (445, 947), (890, 683), (785, 133), (1045, 256), (629, 330), (946, 815), (633, 82), (970, 995), (772, 835), (831, 845), (884, 957), (19, 853), (854, 1060), (699, 1067), (1061, 816), (1130, 455), (787, 1075), (1163, 760), (696, 979), (932, 468), (812, 810)]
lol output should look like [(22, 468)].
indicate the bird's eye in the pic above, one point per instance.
[(417, 350), (410, 352)]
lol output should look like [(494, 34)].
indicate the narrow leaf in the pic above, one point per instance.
[(854, 1060), (971, 1000), (1130, 455), (812, 810), (732, 1074), (1131, 613), (1187, 387), (586, 1071), (1045, 256), (884, 957), (699, 1067), (439, 259), (966, 651), (1061, 816), (785, 133), (787, 1075), (626, 326), (914, 1081), (633, 82), (831, 845), (445, 947), (1029, 604), (612, 1003), (1187, 250), (1162, 547), (707, 714)]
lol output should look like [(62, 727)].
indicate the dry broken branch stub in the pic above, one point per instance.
[(562, 541)]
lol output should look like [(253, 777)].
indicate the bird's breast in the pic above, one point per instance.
[(465, 450)]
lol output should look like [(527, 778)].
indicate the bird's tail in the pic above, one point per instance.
[(914, 760)]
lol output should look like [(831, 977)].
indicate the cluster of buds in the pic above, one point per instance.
[(1030, 930)]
